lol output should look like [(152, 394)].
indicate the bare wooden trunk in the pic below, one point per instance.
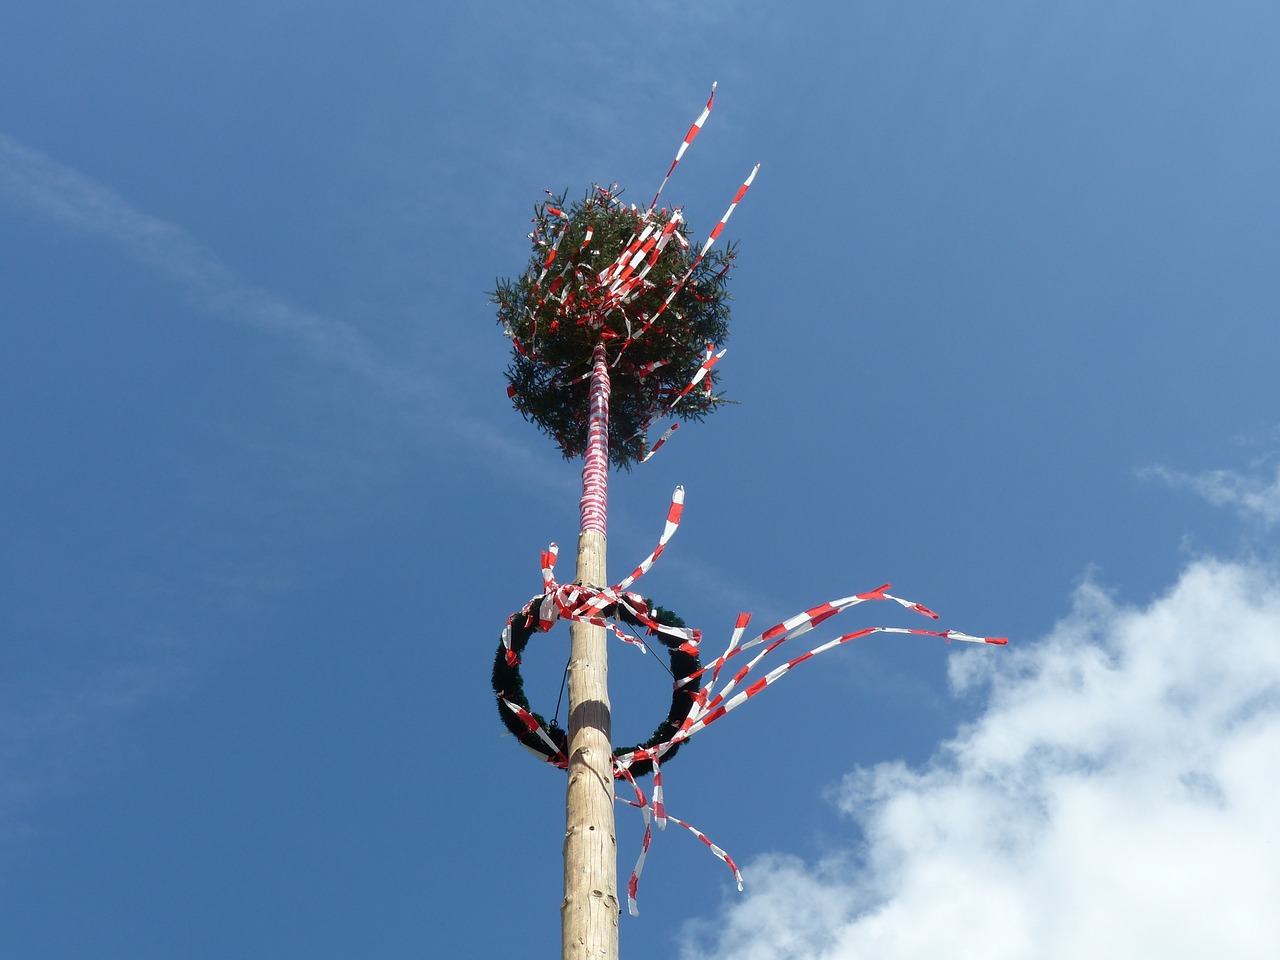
[(589, 914)]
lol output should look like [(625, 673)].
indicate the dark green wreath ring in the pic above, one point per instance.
[(508, 685)]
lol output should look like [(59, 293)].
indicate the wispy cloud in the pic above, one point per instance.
[(55, 191), (48, 742), (49, 739), (1115, 798), (1255, 498)]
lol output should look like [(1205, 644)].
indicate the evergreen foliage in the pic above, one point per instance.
[(559, 309)]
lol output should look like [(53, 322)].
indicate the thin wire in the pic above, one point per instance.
[(565, 676), (651, 650)]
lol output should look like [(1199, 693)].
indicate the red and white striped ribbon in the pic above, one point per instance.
[(549, 567), (551, 255), (633, 882), (708, 708), (579, 602), (719, 853), (737, 197), (715, 234), (688, 139), (659, 804), (702, 374), (645, 369), (626, 276), (595, 298), (631, 256), (661, 440), (530, 721), (654, 810), (711, 706), (594, 507), (586, 604), (674, 513), (739, 629)]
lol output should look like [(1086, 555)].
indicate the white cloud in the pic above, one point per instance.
[(1116, 798), (1253, 497)]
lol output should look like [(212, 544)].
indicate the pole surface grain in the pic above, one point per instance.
[(589, 913)]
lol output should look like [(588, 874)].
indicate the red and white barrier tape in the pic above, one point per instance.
[(701, 375), (674, 512), (585, 604), (654, 811), (615, 286), (530, 721), (710, 707), (688, 139), (715, 234), (594, 507), (661, 440), (577, 602)]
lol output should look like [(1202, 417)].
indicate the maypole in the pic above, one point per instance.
[(616, 324)]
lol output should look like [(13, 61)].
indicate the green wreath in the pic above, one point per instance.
[(508, 685)]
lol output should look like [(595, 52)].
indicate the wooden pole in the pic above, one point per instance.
[(589, 913)]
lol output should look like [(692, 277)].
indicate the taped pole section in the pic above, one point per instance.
[(589, 913)]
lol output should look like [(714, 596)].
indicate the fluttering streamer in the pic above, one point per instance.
[(697, 703), (605, 275), (615, 324)]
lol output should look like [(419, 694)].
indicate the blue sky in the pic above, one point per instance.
[(1004, 336)]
